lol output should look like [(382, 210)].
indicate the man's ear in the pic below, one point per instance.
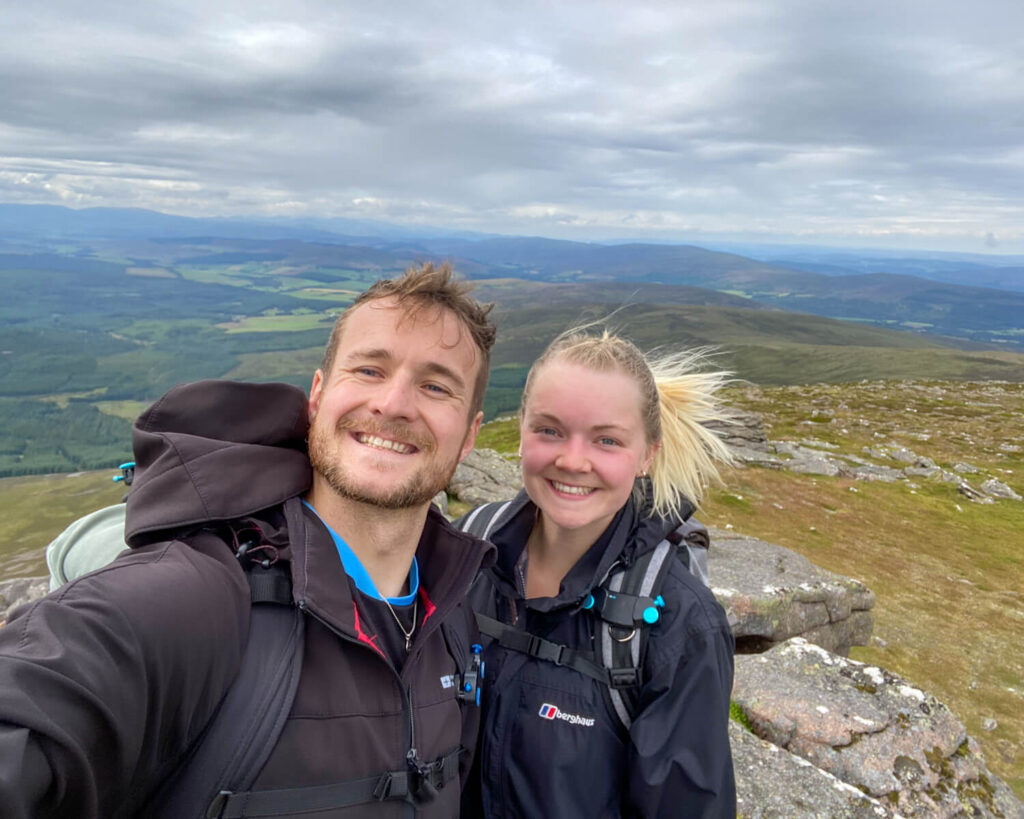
[(315, 391), (471, 433)]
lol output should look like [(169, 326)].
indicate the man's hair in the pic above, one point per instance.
[(423, 287)]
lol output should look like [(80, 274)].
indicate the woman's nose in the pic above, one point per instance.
[(573, 457)]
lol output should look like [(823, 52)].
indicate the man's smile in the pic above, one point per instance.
[(377, 442)]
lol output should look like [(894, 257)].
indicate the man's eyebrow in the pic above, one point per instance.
[(374, 353)]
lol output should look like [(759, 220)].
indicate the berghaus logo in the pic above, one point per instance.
[(549, 711)]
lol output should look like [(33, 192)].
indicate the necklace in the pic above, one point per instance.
[(406, 634)]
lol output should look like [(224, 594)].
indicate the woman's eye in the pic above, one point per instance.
[(546, 431), (607, 442)]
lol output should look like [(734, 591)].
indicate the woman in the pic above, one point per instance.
[(613, 452)]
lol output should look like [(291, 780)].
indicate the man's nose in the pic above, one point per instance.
[(394, 399)]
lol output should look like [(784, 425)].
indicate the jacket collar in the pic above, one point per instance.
[(449, 561), (633, 532)]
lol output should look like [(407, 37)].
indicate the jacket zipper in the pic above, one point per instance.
[(407, 709)]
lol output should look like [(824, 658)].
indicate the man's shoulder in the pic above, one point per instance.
[(161, 591)]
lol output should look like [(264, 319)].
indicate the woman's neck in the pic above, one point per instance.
[(552, 551)]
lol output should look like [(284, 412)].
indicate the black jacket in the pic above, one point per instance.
[(673, 762), (105, 683)]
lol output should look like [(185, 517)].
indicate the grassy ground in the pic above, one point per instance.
[(36, 509), (948, 573)]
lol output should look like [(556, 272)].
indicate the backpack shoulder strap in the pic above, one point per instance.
[(484, 519), (243, 731), (621, 645), (619, 648)]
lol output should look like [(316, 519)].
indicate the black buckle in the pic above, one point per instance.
[(546, 650), (623, 677)]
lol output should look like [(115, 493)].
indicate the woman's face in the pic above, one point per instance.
[(583, 444)]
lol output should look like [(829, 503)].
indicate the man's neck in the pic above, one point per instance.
[(384, 540)]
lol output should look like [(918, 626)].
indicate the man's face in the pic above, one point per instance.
[(391, 421)]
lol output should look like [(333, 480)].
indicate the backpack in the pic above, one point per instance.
[(627, 602), (214, 777)]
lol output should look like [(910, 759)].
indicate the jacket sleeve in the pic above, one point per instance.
[(680, 761), (104, 684)]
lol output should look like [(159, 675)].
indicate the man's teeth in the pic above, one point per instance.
[(384, 443), (572, 490)]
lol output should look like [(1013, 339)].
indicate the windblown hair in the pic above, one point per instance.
[(429, 287), (677, 398)]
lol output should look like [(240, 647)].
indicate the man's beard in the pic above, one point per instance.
[(418, 489)]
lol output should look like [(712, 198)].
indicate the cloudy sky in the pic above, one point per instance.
[(892, 123)]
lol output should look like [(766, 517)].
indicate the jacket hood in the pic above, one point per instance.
[(216, 450)]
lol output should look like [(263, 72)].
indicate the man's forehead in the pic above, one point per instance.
[(435, 324)]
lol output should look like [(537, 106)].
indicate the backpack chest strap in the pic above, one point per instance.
[(415, 785), (549, 651)]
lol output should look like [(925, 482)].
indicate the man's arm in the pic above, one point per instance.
[(105, 683)]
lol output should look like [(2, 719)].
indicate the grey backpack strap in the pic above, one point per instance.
[(621, 647), (484, 519)]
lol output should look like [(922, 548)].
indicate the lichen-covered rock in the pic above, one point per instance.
[(771, 594), (871, 729), (772, 783), (485, 476)]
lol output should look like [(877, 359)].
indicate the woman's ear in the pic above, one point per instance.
[(645, 465)]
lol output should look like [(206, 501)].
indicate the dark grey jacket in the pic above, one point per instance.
[(106, 683), (673, 762)]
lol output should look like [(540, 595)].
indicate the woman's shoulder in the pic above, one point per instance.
[(690, 605)]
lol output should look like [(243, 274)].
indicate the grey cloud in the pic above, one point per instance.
[(499, 116)]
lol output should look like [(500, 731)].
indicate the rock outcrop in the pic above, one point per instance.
[(484, 476), (772, 594), (867, 728)]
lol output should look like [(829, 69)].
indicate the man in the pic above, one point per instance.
[(107, 685)]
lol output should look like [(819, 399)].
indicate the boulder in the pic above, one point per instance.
[(485, 476), (20, 590), (807, 461), (772, 783), (741, 429), (771, 594), (997, 489), (871, 729), (877, 473)]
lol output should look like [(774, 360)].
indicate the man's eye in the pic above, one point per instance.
[(370, 371), (438, 389)]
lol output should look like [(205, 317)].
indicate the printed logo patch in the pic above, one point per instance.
[(549, 711), (448, 681)]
